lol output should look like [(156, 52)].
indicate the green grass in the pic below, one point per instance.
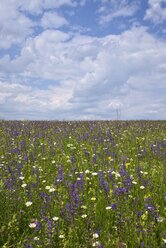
[(104, 181)]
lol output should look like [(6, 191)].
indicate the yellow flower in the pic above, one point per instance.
[(111, 191), (127, 164), (147, 196), (28, 203), (144, 216), (84, 216), (83, 207)]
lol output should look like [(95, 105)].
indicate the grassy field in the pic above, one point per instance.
[(83, 184)]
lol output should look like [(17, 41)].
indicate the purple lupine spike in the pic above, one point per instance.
[(142, 244), (152, 210), (9, 184), (60, 176), (49, 225), (105, 186), (110, 176), (38, 226), (120, 191), (128, 182), (72, 159), (9, 169), (81, 181), (103, 183), (138, 170), (122, 172), (94, 159), (25, 158), (139, 213), (44, 196)]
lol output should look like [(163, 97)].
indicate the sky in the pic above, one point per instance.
[(82, 59)]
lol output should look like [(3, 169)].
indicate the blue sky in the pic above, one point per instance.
[(72, 60)]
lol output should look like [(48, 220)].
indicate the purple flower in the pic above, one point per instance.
[(28, 246), (139, 214), (113, 206), (38, 226), (120, 191)]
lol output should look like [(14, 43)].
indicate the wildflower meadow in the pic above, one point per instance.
[(82, 184)]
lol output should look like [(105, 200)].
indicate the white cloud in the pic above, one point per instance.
[(110, 10), (90, 75), (126, 11), (25, 100), (14, 26), (37, 6), (52, 20), (156, 13), (80, 76)]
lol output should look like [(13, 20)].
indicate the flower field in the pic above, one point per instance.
[(82, 184)]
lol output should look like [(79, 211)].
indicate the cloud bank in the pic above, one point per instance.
[(65, 74)]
